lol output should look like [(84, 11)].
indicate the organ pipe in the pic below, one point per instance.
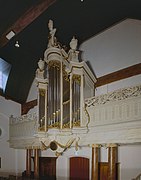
[(54, 94), (76, 99)]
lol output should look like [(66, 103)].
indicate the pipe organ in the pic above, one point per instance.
[(63, 84)]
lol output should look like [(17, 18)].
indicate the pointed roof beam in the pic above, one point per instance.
[(28, 17)]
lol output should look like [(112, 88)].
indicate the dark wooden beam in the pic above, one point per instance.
[(28, 17), (27, 106), (118, 75)]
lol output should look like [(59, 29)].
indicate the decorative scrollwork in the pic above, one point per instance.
[(85, 109), (68, 144), (54, 63), (65, 74), (77, 78), (54, 146), (42, 92), (120, 94)]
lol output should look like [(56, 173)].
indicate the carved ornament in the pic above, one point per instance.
[(121, 94)]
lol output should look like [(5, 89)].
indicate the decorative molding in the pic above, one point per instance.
[(117, 95), (23, 127), (23, 118), (95, 145), (104, 136), (118, 121), (118, 75), (111, 145)]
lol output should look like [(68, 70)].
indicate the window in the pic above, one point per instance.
[(4, 73)]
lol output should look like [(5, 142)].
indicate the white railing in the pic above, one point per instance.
[(24, 126), (119, 106)]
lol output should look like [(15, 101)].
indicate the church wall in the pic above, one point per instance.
[(115, 48), (33, 92), (128, 157), (10, 158), (130, 161), (62, 163), (131, 81)]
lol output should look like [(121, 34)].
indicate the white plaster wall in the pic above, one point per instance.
[(20, 161), (9, 156), (8, 107), (47, 153), (131, 81), (115, 48), (32, 95), (62, 171), (103, 154), (130, 161)]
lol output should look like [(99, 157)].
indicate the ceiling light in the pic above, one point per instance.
[(10, 35), (17, 44)]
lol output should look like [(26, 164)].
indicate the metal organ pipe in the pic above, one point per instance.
[(76, 100), (54, 94)]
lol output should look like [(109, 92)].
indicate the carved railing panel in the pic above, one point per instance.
[(114, 119), (24, 126), (119, 106)]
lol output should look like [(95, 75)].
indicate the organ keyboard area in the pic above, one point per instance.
[(63, 83)]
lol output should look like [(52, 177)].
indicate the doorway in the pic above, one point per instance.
[(79, 168), (47, 167)]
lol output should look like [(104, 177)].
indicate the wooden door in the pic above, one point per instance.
[(79, 168), (103, 170), (47, 167)]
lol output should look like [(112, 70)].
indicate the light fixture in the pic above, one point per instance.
[(10, 35), (17, 44)]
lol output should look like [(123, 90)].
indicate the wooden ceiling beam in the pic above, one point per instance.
[(119, 75), (28, 17)]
